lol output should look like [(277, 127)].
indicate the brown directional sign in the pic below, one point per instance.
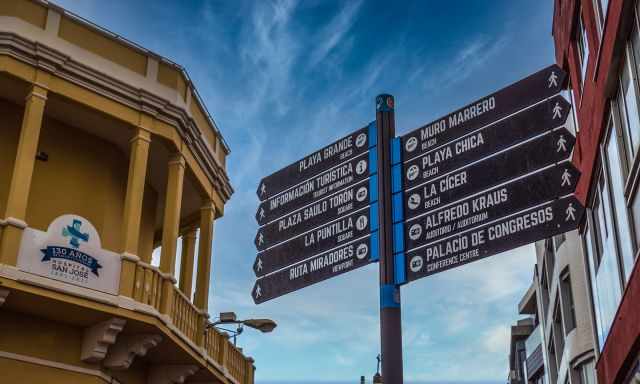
[(328, 209), (526, 227), (320, 239), (515, 196), (338, 152), (524, 125), (526, 92), (532, 155), (321, 267), (317, 187)]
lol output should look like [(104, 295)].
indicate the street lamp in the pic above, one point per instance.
[(262, 325)]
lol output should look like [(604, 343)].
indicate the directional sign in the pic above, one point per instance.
[(335, 262), (328, 209), (326, 183), (526, 92), (530, 122), (320, 239), (523, 228), (535, 154), (493, 204), (342, 150)]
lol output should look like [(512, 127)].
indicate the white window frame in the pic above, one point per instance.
[(582, 43)]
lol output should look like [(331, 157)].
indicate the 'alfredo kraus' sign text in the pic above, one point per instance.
[(534, 224)]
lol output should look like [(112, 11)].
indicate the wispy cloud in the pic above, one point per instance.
[(269, 51), (471, 57), (496, 339), (334, 32)]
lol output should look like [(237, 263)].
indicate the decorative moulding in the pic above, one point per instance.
[(98, 338), (171, 374), (128, 347), (3, 295)]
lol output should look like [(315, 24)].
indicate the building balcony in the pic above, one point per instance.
[(106, 153), (535, 358)]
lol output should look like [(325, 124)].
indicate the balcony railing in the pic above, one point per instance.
[(186, 317), (533, 341), (533, 346), (190, 321)]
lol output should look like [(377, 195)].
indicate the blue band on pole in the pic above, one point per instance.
[(373, 216), (396, 153), (397, 208), (396, 178), (400, 274), (398, 237), (389, 296), (375, 244), (373, 134), (373, 161), (373, 188)]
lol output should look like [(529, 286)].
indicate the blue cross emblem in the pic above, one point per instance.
[(74, 232)]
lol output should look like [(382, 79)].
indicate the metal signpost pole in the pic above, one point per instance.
[(390, 315)]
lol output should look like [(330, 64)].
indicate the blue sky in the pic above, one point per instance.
[(285, 78)]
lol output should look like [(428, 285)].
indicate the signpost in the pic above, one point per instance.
[(528, 91), (323, 184), (487, 141), (315, 209), (318, 213), (328, 157), (534, 224), (317, 240), (538, 153), (494, 203), (484, 179), (321, 267)]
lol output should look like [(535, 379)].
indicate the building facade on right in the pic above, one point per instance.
[(598, 43)]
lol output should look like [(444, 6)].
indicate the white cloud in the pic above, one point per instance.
[(334, 32), (470, 58), (269, 50), (496, 339)]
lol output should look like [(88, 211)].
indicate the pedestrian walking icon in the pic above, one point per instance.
[(261, 213), (557, 111), (571, 213), (260, 239), (259, 265), (263, 189), (566, 178), (562, 144), (258, 291), (553, 79)]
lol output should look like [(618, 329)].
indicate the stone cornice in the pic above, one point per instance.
[(63, 66)]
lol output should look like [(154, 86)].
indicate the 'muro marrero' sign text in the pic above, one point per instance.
[(538, 119), (500, 104)]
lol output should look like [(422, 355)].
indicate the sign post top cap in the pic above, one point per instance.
[(385, 103)]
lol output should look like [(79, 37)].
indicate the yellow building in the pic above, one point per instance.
[(106, 153)]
